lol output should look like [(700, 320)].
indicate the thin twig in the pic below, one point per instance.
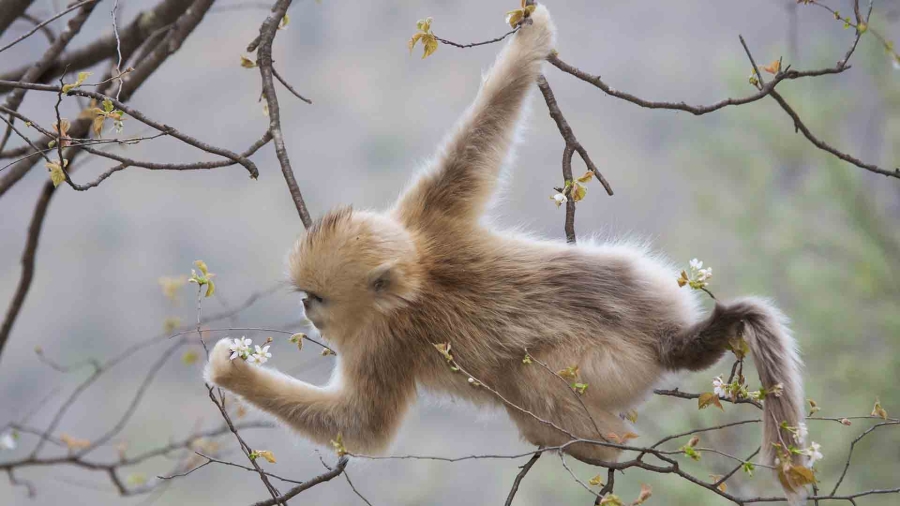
[(523, 471)]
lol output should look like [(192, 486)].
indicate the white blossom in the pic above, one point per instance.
[(698, 277), (813, 453), (802, 432), (240, 348), (719, 387), (8, 441), (560, 199), (261, 356)]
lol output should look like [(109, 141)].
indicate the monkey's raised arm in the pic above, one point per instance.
[(363, 410), (466, 168)]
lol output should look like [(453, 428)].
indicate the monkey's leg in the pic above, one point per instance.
[(701, 345), (466, 169), (541, 434)]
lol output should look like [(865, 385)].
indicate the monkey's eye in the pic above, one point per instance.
[(312, 297)]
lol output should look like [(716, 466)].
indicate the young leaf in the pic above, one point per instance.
[(202, 266), (708, 399), (266, 454), (97, 125), (748, 468), (189, 357), (57, 175), (74, 443), (645, 494), (444, 349), (796, 475), (611, 500), (78, 82), (570, 372), (338, 444), (578, 191), (430, 43), (136, 479), (773, 68), (298, 339), (615, 438), (415, 38), (586, 177), (879, 411), (813, 407)]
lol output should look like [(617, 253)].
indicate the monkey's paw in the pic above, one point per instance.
[(222, 370), (540, 31)]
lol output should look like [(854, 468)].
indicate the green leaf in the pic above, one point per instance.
[(611, 500), (298, 339), (412, 42), (338, 444), (578, 191), (430, 43), (202, 266), (210, 288), (266, 454), (689, 451), (57, 175), (78, 82)]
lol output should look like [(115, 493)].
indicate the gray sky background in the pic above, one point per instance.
[(378, 112)]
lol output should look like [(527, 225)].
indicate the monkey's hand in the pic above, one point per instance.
[(224, 372), (538, 33)]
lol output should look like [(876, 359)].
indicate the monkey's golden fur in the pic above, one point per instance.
[(426, 271)]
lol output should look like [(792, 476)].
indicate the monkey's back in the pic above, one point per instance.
[(494, 295)]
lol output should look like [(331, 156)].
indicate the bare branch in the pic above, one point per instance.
[(267, 34), (519, 477), (144, 24), (288, 86), (28, 255), (337, 470), (12, 10), (46, 22)]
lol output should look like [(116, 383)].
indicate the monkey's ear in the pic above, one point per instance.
[(382, 278)]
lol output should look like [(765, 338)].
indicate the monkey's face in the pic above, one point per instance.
[(353, 267)]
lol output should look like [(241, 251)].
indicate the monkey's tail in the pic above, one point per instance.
[(778, 364)]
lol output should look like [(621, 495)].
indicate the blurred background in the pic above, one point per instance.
[(738, 189)]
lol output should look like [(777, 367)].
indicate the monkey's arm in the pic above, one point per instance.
[(366, 416), (466, 168)]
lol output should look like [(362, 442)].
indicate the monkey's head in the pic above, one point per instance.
[(353, 266)]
